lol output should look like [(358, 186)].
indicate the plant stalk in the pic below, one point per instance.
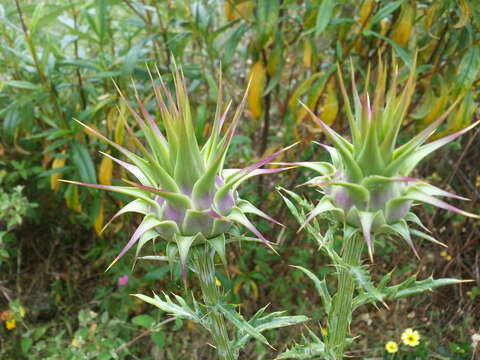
[(204, 266), (340, 315)]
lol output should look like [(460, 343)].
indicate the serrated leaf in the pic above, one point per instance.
[(169, 306), (364, 281), (240, 323), (424, 285)]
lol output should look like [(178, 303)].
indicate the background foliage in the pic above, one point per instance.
[(58, 60)]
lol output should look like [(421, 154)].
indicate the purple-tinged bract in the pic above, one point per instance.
[(182, 189), (367, 185)]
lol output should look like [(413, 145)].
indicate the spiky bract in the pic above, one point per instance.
[(367, 185), (184, 192)]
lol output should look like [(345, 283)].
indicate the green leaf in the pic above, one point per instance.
[(324, 16), (182, 311), (23, 85), (83, 161), (280, 321), (26, 344), (362, 277), (158, 338), (386, 10), (312, 347), (240, 323), (469, 68), (267, 16), (424, 285), (144, 320), (232, 43), (398, 49)]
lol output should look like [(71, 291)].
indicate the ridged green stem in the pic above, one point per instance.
[(340, 315), (202, 259)]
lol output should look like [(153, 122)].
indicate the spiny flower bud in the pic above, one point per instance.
[(367, 185), (185, 194)]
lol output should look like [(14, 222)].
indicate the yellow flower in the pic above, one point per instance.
[(411, 337), (10, 324), (217, 282), (391, 347)]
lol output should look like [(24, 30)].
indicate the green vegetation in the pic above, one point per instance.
[(62, 63)]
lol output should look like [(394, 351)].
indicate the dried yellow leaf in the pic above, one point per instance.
[(257, 85), (56, 164), (105, 171), (99, 220), (404, 25)]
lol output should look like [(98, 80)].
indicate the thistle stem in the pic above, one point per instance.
[(340, 315), (202, 259)]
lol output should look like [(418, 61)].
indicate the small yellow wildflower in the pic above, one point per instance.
[(324, 331), (217, 282), (391, 347), (411, 337), (445, 255), (10, 324)]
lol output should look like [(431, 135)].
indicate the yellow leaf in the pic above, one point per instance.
[(365, 11), (300, 90), (254, 289), (313, 96), (105, 171), (56, 164), (404, 25), (235, 9), (236, 287), (190, 325), (257, 85), (307, 53), (99, 220), (22, 311), (111, 117), (88, 132), (384, 26), (465, 14), (72, 199), (229, 10), (75, 342), (329, 108), (430, 15), (438, 105), (120, 127)]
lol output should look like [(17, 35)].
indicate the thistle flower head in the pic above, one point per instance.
[(368, 183), (186, 195)]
